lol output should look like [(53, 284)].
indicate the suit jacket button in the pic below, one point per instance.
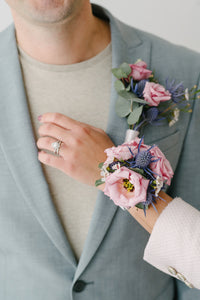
[(79, 286), (172, 271)]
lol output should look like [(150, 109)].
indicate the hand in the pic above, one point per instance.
[(82, 147)]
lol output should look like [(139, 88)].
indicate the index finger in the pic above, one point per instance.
[(58, 119)]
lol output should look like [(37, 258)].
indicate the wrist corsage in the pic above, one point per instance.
[(134, 173)]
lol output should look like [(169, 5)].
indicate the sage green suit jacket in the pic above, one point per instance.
[(36, 260)]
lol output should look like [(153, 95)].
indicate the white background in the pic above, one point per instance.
[(175, 20)]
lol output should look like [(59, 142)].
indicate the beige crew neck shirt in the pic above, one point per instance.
[(82, 92)]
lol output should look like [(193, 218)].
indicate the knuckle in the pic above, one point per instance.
[(45, 128), (56, 117), (48, 127), (47, 142), (44, 142), (84, 130), (76, 142)]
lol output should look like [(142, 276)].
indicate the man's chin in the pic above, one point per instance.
[(49, 11), (44, 11), (47, 17)]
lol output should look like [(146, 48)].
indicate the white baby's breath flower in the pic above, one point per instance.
[(104, 173), (176, 113), (159, 185), (187, 95), (171, 123)]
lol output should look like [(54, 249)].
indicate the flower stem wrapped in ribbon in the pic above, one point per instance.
[(134, 174)]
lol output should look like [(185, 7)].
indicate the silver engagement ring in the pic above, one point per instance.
[(56, 146)]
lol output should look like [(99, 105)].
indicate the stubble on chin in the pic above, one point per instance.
[(45, 11)]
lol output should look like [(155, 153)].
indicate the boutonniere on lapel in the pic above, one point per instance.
[(134, 173)]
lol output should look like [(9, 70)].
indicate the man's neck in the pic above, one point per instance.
[(69, 42)]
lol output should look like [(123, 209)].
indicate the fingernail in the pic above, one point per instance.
[(40, 118)]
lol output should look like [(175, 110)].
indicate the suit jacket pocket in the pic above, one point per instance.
[(168, 141)]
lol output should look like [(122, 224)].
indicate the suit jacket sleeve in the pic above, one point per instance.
[(174, 244)]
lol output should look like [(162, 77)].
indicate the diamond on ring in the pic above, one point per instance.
[(56, 146)]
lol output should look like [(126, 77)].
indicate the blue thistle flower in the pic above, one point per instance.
[(152, 114), (138, 88), (151, 199), (177, 91), (143, 159)]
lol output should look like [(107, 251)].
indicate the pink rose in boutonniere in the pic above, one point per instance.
[(126, 188), (139, 71), (143, 100), (155, 93)]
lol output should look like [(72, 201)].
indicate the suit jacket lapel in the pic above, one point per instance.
[(18, 145), (105, 209)]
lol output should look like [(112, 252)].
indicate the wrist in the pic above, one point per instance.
[(149, 221)]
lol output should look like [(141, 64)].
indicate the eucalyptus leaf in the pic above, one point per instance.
[(100, 165), (119, 86), (137, 170), (125, 68), (135, 115), (123, 107), (118, 73), (141, 206), (98, 182), (134, 105), (131, 96)]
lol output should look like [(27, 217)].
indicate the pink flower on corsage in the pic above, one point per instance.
[(126, 151), (155, 93), (162, 165), (139, 71), (134, 174), (126, 188), (121, 152)]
